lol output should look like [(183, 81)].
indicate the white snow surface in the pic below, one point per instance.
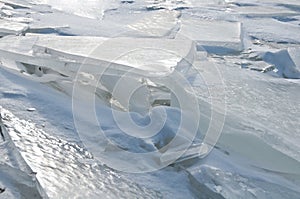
[(243, 52)]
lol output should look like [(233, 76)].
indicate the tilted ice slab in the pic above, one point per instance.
[(214, 36), (286, 62), (163, 55), (51, 58), (10, 27)]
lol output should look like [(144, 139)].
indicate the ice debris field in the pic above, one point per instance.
[(150, 99)]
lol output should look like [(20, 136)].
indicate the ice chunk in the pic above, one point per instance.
[(9, 27), (215, 36), (287, 62)]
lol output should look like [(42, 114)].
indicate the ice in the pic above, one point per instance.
[(179, 4), (272, 30), (17, 184), (214, 36), (51, 50), (47, 151), (9, 27), (65, 50), (157, 24), (16, 4), (211, 182), (90, 9), (16, 177), (288, 2), (286, 62), (262, 11), (46, 55)]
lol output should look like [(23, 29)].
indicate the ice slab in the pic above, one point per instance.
[(115, 24), (178, 4), (89, 9), (16, 4), (277, 2), (286, 62), (50, 49), (272, 30), (116, 59), (214, 36), (196, 3), (163, 55), (9, 27), (263, 11), (157, 24)]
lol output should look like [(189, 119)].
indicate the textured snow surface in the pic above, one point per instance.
[(242, 52)]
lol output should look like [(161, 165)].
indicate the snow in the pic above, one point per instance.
[(98, 97)]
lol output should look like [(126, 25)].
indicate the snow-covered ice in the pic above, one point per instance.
[(144, 65)]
